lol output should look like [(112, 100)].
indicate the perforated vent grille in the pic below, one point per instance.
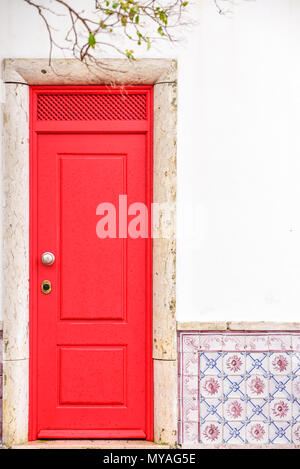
[(79, 107)]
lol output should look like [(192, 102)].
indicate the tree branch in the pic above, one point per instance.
[(111, 23)]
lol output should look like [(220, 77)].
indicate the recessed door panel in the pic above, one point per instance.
[(92, 365), (98, 287)]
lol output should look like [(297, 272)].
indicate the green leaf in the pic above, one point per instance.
[(131, 14), (92, 40), (137, 19), (184, 4), (129, 54), (124, 20), (163, 17), (160, 31), (115, 5)]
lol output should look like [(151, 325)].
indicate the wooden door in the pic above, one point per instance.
[(91, 365)]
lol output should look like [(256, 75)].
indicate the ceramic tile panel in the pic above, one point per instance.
[(239, 387)]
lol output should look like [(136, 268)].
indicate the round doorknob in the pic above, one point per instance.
[(48, 258)]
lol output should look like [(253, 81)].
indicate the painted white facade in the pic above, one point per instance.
[(238, 159)]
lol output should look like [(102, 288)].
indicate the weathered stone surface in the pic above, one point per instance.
[(16, 222), (73, 72), (165, 401), (15, 401), (201, 326), (164, 244), (91, 444), (263, 326), (164, 299), (165, 145), (238, 326)]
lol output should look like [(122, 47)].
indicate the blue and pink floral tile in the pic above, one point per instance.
[(239, 388)]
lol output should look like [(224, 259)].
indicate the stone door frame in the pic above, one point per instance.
[(18, 75)]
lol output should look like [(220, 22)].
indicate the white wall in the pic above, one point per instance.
[(239, 155)]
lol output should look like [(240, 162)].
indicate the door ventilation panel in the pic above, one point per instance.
[(82, 106)]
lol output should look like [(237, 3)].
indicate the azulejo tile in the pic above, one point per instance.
[(211, 409), (211, 342), (295, 363), (256, 386), (234, 432), (190, 343), (211, 386), (280, 409), (211, 432), (257, 432), (296, 433), (190, 364), (257, 409), (234, 363), (296, 410), (280, 363), (280, 342), (190, 387), (234, 409), (257, 363), (233, 342), (190, 410), (256, 343), (280, 386), (279, 432), (234, 386), (211, 363), (190, 432), (296, 342)]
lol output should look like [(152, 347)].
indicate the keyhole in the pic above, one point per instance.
[(46, 287)]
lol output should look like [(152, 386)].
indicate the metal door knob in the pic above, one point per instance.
[(48, 258)]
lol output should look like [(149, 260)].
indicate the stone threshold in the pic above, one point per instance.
[(136, 444), (242, 446), (90, 444)]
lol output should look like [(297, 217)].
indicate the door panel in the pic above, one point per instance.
[(92, 365), (92, 330), (100, 291)]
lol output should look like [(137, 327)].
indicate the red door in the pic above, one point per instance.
[(91, 365)]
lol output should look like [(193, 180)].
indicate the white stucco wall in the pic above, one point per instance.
[(238, 159)]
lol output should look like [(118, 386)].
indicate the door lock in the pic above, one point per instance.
[(46, 287)]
